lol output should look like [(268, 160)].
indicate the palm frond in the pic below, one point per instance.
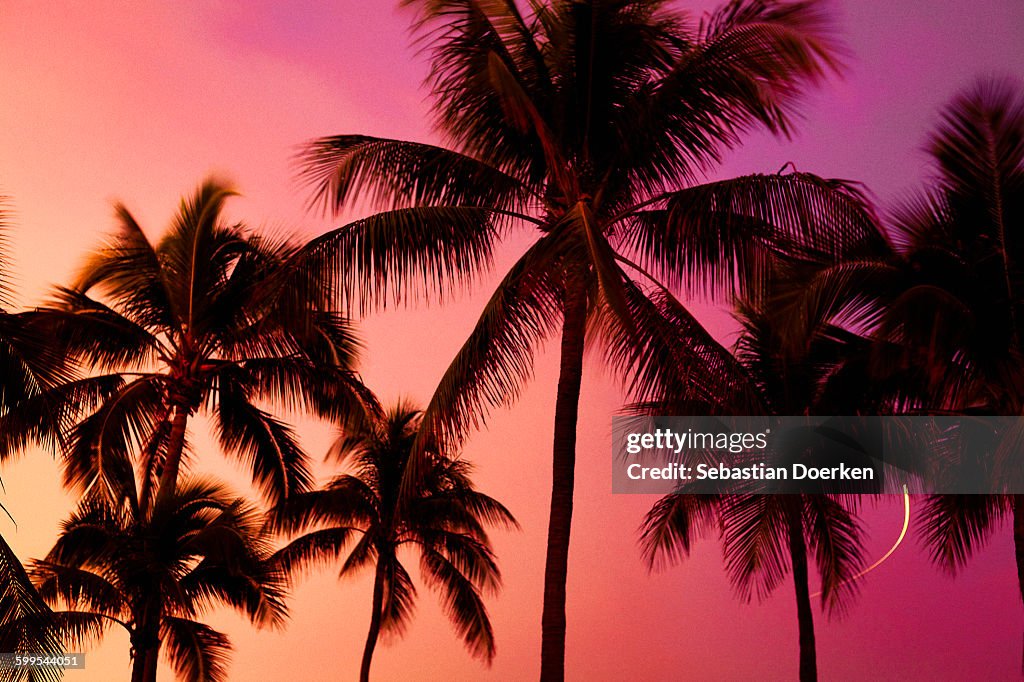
[(26, 623), (269, 447), (724, 236), (197, 652), (747, 65), (128, 270), (953, 527), (399, 598), (314, 549), (754, 543), (673, 524), (833, 534), (666, 357), (97, 335), (393, 173), (462, 604), (497, 358), (402, 255)]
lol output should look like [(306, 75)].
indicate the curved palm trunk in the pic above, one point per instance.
[(552, 658), (375, 620), (172, 459), (804, 614)]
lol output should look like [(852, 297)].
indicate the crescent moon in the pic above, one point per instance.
[(899, 540)]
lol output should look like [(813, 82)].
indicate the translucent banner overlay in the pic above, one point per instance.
[(965, 455)]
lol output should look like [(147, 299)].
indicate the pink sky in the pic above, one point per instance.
[(139, 101)]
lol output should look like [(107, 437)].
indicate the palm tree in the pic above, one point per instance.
[(764, 537), (948, 294), (590, 124), (29, 368), (444, 521), (962, 239), (155, 569), (206, 317)]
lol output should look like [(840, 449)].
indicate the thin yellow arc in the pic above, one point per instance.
[(899, 540)]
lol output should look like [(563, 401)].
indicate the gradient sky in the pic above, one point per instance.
[(138, 101)]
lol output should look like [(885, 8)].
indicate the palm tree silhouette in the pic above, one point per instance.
[(764, 537), (589, 124), (443, 520), (30, 367), (154, 570), (960, 239), (947, 296), (205, 317)]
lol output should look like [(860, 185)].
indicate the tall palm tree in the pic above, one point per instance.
[(206, 317), (155, 569), (764, 537), (444, 521), (948, 293), (589, 125)]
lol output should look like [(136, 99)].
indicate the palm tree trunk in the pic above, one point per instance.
[(375, 620), (172, 458), (804, 614), (139, 665), (146, 643), (552, 657)]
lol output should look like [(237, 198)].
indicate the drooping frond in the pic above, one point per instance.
[(101, 446), (78, 588), (754, 543), (399, 598), (97, 335), (673, 524), (197, 652), (401, 255), (461, 602), (315, 549), (834, 535), (725, 235), (668, 358), (497, 358), (954, 526), (25, 619), (268, 446)]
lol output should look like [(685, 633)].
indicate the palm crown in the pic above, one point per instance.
[(444, 521), (155, 571), (204, 318)]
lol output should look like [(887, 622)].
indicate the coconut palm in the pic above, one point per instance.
[(204, 318), (589, 127), (764, 537), (961, 239), (443, 521), (155, 569), (948, 295)]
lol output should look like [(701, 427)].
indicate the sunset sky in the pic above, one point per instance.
[(139, 101)]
